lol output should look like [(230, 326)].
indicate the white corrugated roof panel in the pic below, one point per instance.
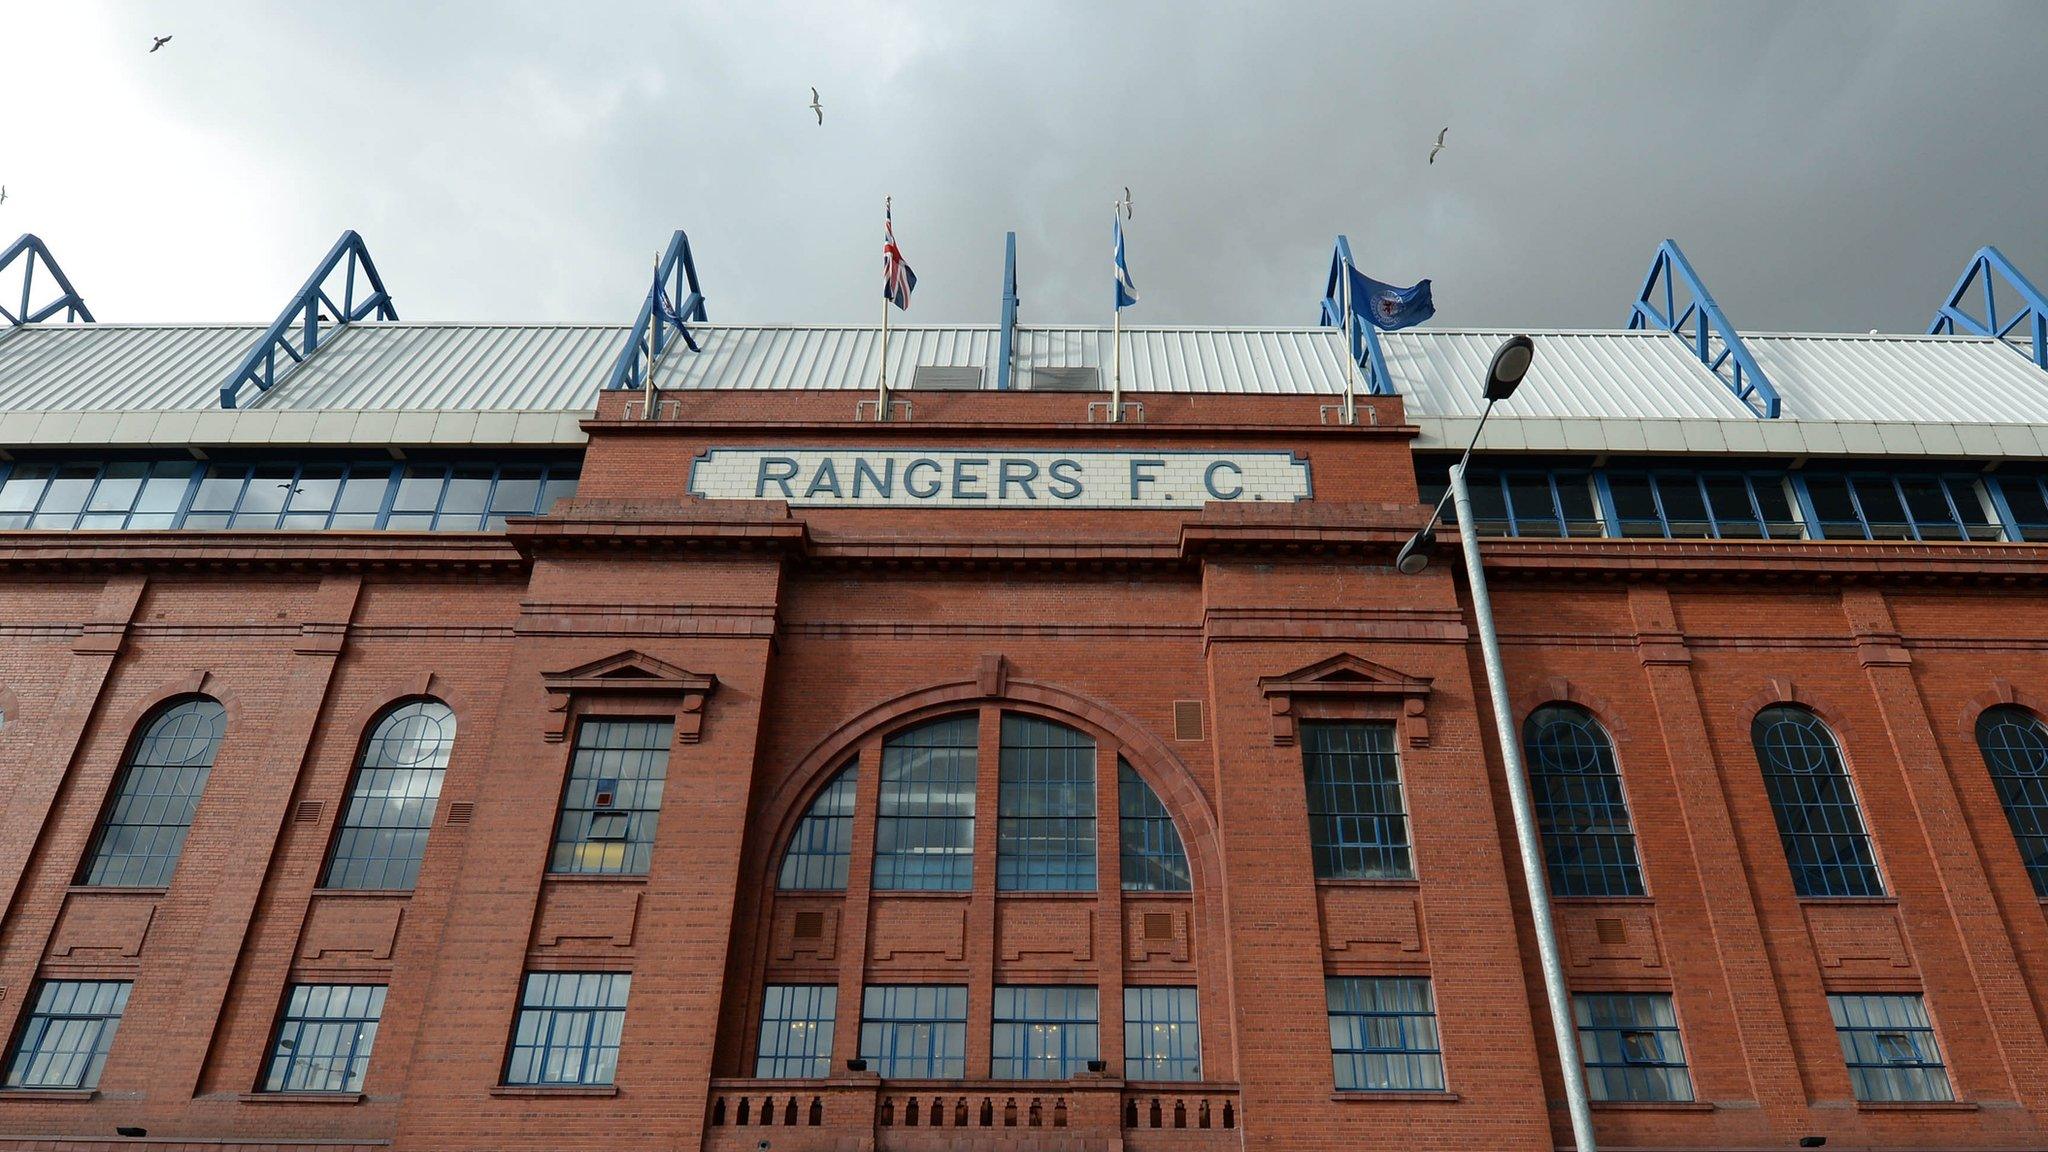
[(1576, 375), (473, 367), (817, 359), (118, 367), (1910, 379)]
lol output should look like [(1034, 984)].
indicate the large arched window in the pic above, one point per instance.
[(143, 831), (1153, 857), (391, 805), (822, 845), (2015, 748), (1589, 845), (1819, 819), (924, 825)]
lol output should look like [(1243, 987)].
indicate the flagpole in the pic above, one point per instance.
[(1350, 361), (882, 384), (653, 318), (1116, 364)]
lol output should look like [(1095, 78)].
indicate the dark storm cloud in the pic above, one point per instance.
[(1825, 166)]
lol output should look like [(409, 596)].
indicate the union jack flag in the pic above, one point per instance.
[(897, 278)]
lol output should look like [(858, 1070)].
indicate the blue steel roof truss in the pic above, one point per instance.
[(30, 251), (1006, 348), (1363, 343), (1703, 327), (311, 307), (672, 300), (1988, 267)]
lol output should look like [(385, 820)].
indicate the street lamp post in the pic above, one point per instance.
[(1504, 375)]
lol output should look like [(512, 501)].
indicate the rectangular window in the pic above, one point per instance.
[(1889, 1048), (1383, 1035), (1631, 1047), (924, 821), (65, 1039), (1044, 1033), (914, 1031), (568, 1028), (612, 803), (1358, 826), (1162, 1034), (1045, 808), (324, 1041), (796, 1032)]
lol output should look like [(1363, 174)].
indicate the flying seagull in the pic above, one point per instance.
[(1439, 146), (817, 107), (1124, 205), (3, 193), (160, 42)]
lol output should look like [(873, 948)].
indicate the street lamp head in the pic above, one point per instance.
[(1510, 364), (1414, 555)]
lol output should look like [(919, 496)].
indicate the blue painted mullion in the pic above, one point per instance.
[(396, 476), (191, 493), (1657, 500), (1803, 500), (2003, 510), (1604, 493)]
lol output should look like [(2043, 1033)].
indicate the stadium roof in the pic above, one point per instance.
[(1598, 391)]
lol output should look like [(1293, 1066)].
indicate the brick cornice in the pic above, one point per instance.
[(171, 552)]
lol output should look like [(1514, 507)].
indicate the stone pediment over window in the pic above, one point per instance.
[(1347, 687), (630, 675)]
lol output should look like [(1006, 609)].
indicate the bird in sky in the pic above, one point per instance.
[(160, 42), (1124, 205), (1439, 146), (817, 107), (3, 193)]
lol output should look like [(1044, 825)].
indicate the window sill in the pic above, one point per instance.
[(1044, 894), (77, 1094), (555, 1090), (120, 889), (1850, 901), (1652, 1105), (922, 893), (1583, 901), (596, 877), (301, 1097), (1915, 1106), (1368, 882), (360, 893), (1364, 1095)]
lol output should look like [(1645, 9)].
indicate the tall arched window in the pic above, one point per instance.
[(1819, 818), (1045, 807), (1589, 845), (391, 804), (1153, 857), (2015, 748), (924, 819), (143, 831), (822, 846)]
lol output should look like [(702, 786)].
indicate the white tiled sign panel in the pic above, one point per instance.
[(997, 478)]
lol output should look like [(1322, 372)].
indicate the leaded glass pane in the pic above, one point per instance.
[(2015, 748), (914, 1031), (796, 1031), (821, 848), (1358, 824), (1383, 1035), (924, 824), (325, 1037), (1631, 1048), (1589, 846), (568, 1028), (391, 803), (1819, 819), (1154, 859), (65, 1038), (1045, 808), (611, 805), (1889, 1047), (1162, 1034), (143, 832)]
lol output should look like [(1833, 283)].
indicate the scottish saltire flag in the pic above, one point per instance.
[(662, 307), (897, 278), (1390, 309), (1126, 292)]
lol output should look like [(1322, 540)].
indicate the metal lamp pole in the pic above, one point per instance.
[(1510, 363)]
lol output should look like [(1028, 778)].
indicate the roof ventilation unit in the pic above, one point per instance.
[(942, 378), (1066, 380)]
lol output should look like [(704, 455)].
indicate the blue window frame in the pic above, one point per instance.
[(293, 495), (568, 1027), (391, 801), (796, 1032), (143, 832), (924, 818), (2022, 498), (1819, 819), (64, 1041), (1889, 1047), (1901, 506), (1712, 504), (1162, 1034), (1589, 845), (1044, 1033), (324, 1040), (2014, 744), (611, 803), (915, 1031), (1532, 502), (1631, 1047), (1045, 807), (1358, 824), (1154, 860), (1383, 1035), (821, 848)]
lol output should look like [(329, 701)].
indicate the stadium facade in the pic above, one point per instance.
[(461, 736)]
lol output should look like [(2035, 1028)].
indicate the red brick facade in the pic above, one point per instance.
[(787, 643)]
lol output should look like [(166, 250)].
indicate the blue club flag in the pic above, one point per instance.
[(1388, 308), (1126, 291)]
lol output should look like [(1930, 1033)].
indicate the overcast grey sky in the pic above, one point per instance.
[(1825, 166)]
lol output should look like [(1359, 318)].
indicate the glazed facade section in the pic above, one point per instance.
[(658, 821)]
